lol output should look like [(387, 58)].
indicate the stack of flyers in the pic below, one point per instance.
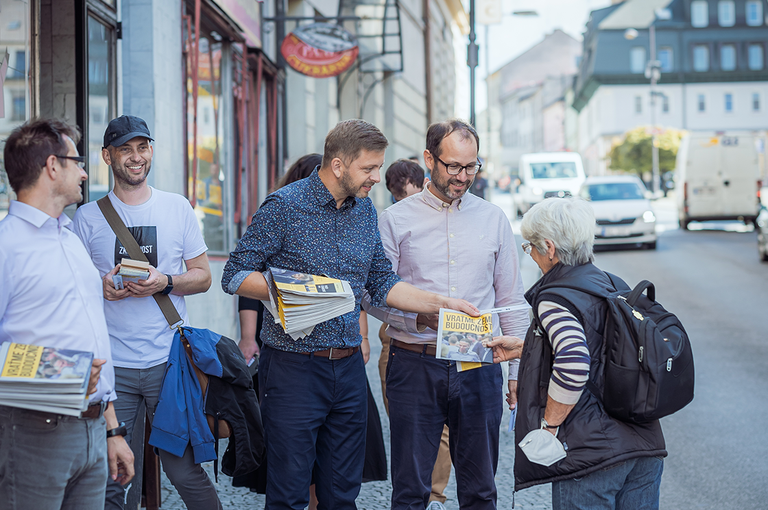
[(299, 301), (44, 378), (130, 271)]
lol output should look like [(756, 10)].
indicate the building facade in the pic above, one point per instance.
[(714, 73), (526, 102), (228, 116)]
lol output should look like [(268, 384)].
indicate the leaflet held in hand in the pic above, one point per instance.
[(464, 338)]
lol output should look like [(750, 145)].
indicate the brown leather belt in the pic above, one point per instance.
[(334, 353), (94, 410), (428, 349)]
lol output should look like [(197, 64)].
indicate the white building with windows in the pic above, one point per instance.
[(712, 57)]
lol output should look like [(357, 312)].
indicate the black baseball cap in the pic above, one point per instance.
[(124, 128)]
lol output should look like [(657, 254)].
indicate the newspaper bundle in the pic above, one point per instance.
[(44, 379), (299, 301)]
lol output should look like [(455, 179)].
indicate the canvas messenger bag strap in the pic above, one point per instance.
[(134, 251), (163, 301)]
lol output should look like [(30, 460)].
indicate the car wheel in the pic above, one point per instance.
[(684, 224), (762, 252)]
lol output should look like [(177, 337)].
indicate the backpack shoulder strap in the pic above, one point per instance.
[(134, 251)]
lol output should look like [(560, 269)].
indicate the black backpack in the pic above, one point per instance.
[(647, 358)]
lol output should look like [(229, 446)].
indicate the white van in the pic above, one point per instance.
[(717, 177), (548, 174)]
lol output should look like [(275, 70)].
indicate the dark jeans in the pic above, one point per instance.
[(51, 462), (424, 394), (314, 413), (631, 485)]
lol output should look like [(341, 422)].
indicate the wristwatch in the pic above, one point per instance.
[(168, 288), (120, 430)]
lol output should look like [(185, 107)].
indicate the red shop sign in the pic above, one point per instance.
[(320, 50)]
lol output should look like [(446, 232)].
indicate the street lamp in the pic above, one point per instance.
[(652, 72), (472, 48)]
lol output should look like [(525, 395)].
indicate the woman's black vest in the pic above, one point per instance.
[(591, 438)]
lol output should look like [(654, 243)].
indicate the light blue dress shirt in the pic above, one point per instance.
[(50, 292)]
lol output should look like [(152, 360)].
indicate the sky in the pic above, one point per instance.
[(516, 34)]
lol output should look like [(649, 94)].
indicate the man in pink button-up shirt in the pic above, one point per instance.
[(451, 242)]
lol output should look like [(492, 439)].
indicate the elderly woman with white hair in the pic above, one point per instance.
[(564, 435)]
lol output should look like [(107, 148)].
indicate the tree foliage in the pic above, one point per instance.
[(632, 153)]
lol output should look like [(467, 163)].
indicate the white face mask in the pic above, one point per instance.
[(542, 447)]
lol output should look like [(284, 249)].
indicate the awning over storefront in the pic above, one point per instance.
[(246, 15)]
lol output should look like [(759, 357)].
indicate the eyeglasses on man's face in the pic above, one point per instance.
[(80, 160), (455, 168), (527, 247)]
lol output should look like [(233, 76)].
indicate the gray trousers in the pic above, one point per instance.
[(195, 488), (51, 462)]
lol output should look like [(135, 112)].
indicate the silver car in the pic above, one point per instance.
[(623, 211)]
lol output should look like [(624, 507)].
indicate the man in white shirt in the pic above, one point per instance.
[(165, 226), (450, 242), (50, 295)]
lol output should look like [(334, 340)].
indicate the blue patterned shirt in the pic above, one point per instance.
[(298, 227)]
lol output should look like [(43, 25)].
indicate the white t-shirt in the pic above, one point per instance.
[(166, 228)]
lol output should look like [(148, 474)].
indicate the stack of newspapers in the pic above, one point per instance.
[(299, 301), (44, 379)]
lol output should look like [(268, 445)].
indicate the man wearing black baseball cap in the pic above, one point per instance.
[(166, 228)]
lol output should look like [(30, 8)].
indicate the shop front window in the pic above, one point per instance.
[(205, 142), (14, 82), (100, 104)]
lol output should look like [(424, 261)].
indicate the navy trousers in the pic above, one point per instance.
[(314, 412), (424, 393)]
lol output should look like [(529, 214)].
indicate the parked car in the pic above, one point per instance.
[(623, 212), (762, 234)]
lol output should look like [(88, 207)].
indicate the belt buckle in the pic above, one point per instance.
[(330, 355)]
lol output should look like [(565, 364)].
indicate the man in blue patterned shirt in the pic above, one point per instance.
[(313, 389)]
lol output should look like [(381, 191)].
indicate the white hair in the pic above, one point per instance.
[(568, 222)]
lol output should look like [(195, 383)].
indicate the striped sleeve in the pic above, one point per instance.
[(570, 370)]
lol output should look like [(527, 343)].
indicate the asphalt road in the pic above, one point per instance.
[(713, 281)]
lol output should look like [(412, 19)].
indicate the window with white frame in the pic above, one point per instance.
[(728, 57), (728, 97), (754, 13), (701, 58), (755, 101), (638, 104), (755, 57), (666, 59), (701, 103), (699, 13), (726, 13), (664, 104), (637, 59)]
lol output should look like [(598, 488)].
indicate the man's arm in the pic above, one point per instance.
[(262, 240), (411, 299), (118, 452), (509, 291), (247, 344), (195, 280)]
